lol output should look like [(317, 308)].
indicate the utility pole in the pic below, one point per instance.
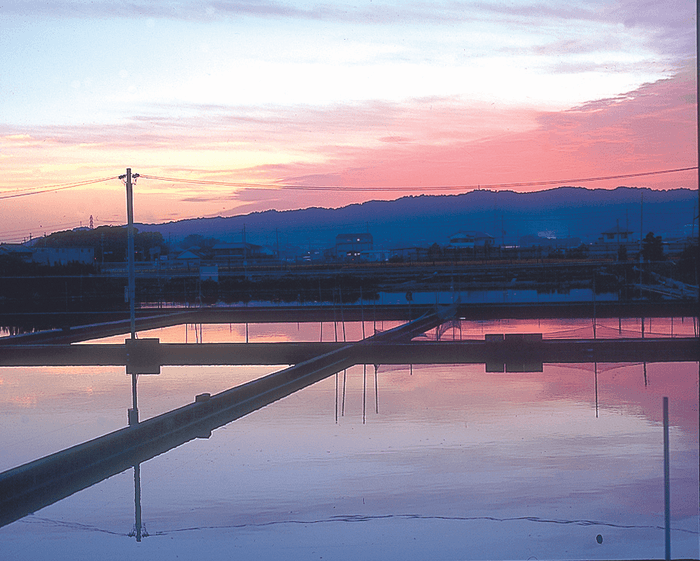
[(134, 411), (130, 248)]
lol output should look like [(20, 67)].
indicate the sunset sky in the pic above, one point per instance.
[(292, 104)]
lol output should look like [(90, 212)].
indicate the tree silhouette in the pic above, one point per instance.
[(652, 248)]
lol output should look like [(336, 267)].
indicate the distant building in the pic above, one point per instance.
[(408, 254), (188, 256), (616, 235), (154, 253), (238, 251), (348, 247), (209, 273), (470, 239), (63, 255), (537, 241), (17, 250), (374, 256)]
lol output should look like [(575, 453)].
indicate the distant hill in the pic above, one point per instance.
[(425, 219)]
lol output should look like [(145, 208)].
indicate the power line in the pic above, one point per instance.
[(299, 187), (58, 187)]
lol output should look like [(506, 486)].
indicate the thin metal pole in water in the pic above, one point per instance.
[(374, 310), (342, 314), (342, 407), (594, 314), (376, 389), (362, 312), (364, 394), (335, 321), (667, 483), (336, 398)]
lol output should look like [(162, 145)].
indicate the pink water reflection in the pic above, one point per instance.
[(473, 464), (605, 328)]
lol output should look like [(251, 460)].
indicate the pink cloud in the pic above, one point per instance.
[(652, 128), (333, 156)]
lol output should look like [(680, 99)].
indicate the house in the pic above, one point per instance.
[(348, 247), (188, 256)]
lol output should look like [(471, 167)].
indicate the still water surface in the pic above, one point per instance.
[(432, 462)]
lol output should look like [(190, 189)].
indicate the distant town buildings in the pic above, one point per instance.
[(63, 255), (348, 247), (50, 256)]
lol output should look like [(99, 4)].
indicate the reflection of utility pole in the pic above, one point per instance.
[(667, 482), (139, 530)]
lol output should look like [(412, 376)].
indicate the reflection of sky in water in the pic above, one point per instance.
[(458, 463), (605, 328)]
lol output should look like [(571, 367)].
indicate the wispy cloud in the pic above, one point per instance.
[(373, 13)]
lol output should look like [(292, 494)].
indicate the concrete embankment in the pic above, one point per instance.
[(32, 486), (508, 350)]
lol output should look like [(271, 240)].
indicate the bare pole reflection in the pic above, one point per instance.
[(595, 369), (139, 530)]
